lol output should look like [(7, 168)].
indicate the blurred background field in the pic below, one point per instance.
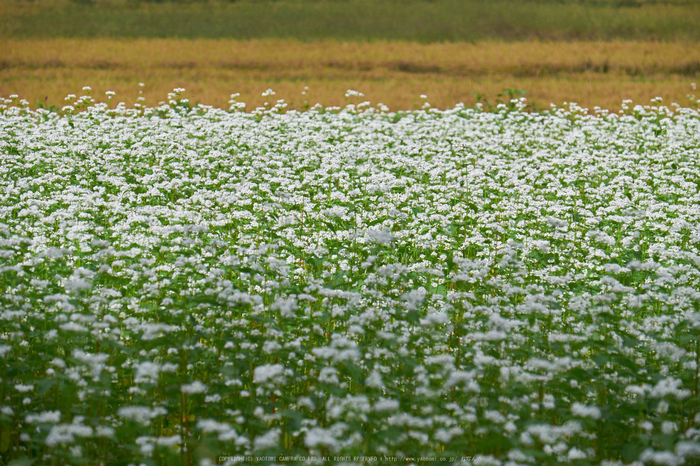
[(356, 20), (593, 52), (393, 73)]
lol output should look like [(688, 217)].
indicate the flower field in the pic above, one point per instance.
[(187, 285)]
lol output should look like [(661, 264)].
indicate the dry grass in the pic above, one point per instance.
[(394, 73)]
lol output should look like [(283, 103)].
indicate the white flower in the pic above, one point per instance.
[(384, 405), (147, 372), (318, 437), (576, 454), (269, 374), (62, 434), (193, 388), (141, 414), (50, 417), (374, 380), (351, 93), (383, 236), (286, 306), (669, 386), (669, 427), (267, 441), (73, 327), (582, 410), (662, 458)]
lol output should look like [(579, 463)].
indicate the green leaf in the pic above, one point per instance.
[(45, 385), (630, 451), (23, 461), (601, 359), (5, 440)]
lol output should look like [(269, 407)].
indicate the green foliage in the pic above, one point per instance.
[(358, 20)]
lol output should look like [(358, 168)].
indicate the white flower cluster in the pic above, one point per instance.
[(180, 281)]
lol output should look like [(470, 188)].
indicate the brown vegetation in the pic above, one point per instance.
[(394, 73)]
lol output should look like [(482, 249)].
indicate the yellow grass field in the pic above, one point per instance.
[(393, 73)]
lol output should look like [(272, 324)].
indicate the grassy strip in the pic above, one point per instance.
[(357, 20), (394, 73)]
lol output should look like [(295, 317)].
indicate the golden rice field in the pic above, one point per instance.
[(393, 73)]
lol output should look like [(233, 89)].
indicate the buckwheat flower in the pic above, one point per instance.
[(286, 306), (374, 380), (95, 361), (414, 300), (73, 327), (383, 237), (58, 362), (170, 441), (434, 319), (267, 441), (146, 445), (669, 386), (483, 460), (662, 458), (669, 428), (79, 281), (147, 372), (104, 431), (318, 437), (510, 427), (24, 388), (646, 425), (47, 417), (494, 416), (211, 425), (557, 223), (685, 449), (329, 375), (4, 349), (351, 93), (582, 410), (517, 455), (7, 411), (306, 402), (141, 414), (269, 373), (193, 388), (384, 405), (446, 435), (66, 433), (576, 454), (465, 379)]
